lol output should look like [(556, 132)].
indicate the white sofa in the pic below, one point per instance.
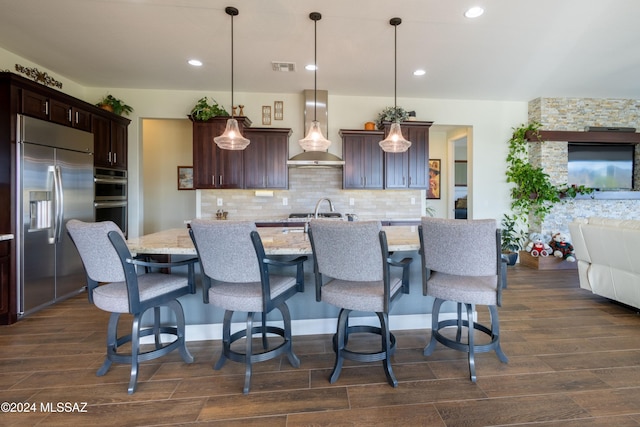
[(608, 256)]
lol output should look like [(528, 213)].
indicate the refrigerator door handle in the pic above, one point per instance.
[(59, 204)]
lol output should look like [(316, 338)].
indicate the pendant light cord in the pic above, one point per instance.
[(315, 69), (231, 66), (395, 66), (231, 11)]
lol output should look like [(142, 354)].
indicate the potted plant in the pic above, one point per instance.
[(114, 105), (204, 111), (513, 238), (533, 195), (391, 114)]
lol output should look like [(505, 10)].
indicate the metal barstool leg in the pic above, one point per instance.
[(470, 343), (248, 353), (495, 332), (226, 339), (156, 326), (341, 333), (135, 350), (112, 343), (180, 330), (286, 318), (435, 313), (386, 347)]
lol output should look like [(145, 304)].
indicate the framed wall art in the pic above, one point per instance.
[(266, 114), (278, 110), (185, 177), (434, 179)]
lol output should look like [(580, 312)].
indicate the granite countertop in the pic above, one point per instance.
[(6, 237), (276, 241)]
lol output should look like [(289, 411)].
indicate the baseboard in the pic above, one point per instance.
[(313, 326)]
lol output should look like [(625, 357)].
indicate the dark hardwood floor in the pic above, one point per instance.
[(574, 360)]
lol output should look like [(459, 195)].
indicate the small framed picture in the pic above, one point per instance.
[(434, 179), (185, 177), (266, 114), (278, 110)]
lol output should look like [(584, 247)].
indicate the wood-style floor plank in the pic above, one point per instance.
[(574, 360)]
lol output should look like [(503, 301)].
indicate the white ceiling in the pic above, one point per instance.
[(518, 50)]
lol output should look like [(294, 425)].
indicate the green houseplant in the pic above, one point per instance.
[(533, 195), (533, 192), (513, 238), (115, 105), (204, 111), (391, 114)]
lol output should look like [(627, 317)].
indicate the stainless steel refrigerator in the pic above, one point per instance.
[(55, 184)]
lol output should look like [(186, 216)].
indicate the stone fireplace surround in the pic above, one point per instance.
[(574, 114)]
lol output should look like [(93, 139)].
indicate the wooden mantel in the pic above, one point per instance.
[(595, 137)]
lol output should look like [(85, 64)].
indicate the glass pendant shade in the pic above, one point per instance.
[(231, 139), (314, 141), (395, 142)]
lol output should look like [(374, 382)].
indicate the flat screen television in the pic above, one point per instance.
[(601, 166)]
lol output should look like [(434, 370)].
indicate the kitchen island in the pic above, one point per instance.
[(276, 241), (308, 316)]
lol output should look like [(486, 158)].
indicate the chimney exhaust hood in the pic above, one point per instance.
[(315, 159), (315, 102)]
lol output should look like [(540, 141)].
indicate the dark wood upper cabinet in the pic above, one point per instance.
[(411, 168), (109, 143), (35, 104), (363, 159), (265, 159), (65, 114), (212, 166)]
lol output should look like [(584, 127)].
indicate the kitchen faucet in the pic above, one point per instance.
[(315, 214)]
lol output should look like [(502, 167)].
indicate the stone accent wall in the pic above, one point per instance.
[(306, 187), (574, 114)]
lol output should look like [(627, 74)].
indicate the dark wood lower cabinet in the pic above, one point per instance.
[(5, 282)]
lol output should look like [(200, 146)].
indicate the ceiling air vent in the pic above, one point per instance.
[(283, 66)]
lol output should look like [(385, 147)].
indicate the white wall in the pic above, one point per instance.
[(491, 122)]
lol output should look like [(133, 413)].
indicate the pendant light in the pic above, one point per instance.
[(231, 139), (395, 142), (315, 141)]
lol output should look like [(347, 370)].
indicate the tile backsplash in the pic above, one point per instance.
[(306, 187)]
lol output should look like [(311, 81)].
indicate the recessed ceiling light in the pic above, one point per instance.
[(310, 67), (474, 12), (195, 62), (419, 72)]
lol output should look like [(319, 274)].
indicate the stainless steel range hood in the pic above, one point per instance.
[(315, 159), (315, 107)]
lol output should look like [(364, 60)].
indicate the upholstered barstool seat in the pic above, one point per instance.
[(114, 285), (236, 278), (462, 263), (352, 272)]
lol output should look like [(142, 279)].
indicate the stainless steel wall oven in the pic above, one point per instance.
[(110, 201)]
